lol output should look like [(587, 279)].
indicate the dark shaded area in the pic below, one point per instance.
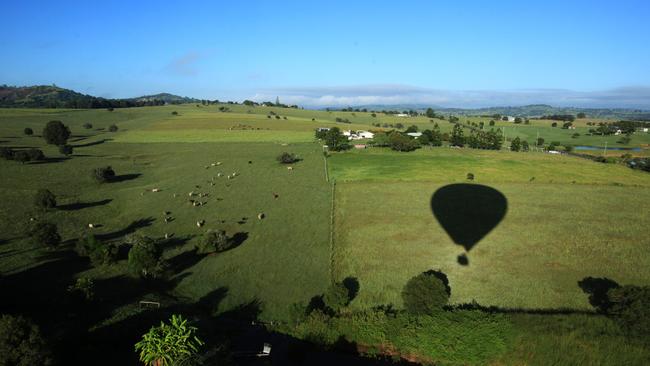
[(352, 284), (175, 242), (468, 212), (135, 225), (462, 259), (124, 177), (237, 239), (597, 289), (98, 142), (82, 205), (49, 161), (185, 260)]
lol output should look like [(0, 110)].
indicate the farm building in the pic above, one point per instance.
[(415, 134), (402, 115)]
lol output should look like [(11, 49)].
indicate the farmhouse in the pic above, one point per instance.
[(323, 129), (402, 115), (414, 134), (358, 135)]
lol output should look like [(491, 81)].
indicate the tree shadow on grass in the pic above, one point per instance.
[(185, 260), (352, 284), (124, 177), (597, 289), (133, 227), (82, 205), (468, 212), (49, 161), (87, 144)]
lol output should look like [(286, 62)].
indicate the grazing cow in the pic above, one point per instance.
[(260, 216), (91, 226), (155, 190), (200, 223), (290, 168)]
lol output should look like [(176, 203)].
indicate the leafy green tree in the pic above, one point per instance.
[(426, 293), (525, 146), (457, 138), (103, 174), (28, 131), (515, 145), (87, 125), (581, 115), (436, 136), (336, 297), (45, 233), (430, 113), (145, 258), (6, 153), (35, 154), (630, 305), (21, 156), (113, 128), (170, 344), (21, 343), (399, 126), (214, 241), (44, 199), (540, 141), (400, 142), (491, 123), (98, 252), (85, 287), (335, 140), (66, 149), (56, 133)]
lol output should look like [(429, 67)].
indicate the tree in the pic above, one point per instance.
[(214, 241), (540, 141), (525, 146), (457, 138), (430, 113), (287, 158), (145, 257), (399, 142), (45, 233), (336, 297), (21, 343), (554, 124), (399, 126), (568, 148), (44, 199), (112, 128), (28, 131), (515, 145), (335, 140), (21, 156), (103, 174), (170, 344), (56, 133), (6, 153), (426, 293), (66, 149), (35, 154), (412, 128), (88, 125), (98, 253), (630, 305), (518, 120), (581, 115)]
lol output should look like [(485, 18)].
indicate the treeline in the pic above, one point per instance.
[(560, 117)]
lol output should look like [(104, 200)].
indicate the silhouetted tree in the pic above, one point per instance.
[(87, 125), (103, 174), (426, 293), (56, 133), (145, 257), (336, 297), (45, 233), (457, 138), (287, 158), (28, 131), (44, 199), (66, 149), (515, 145), (112, 128)]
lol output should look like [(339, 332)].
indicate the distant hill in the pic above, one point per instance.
[(51, 96), (532, 110)]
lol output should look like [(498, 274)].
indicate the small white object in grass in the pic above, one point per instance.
[(200, 223), (218, 163), (166, 236), (289, 168), (155, 190), (260, 215), (219, 174), (91, 226), (32, 219)]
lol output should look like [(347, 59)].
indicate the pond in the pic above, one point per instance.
[(608, 148)]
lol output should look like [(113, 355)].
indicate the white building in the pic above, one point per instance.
[(415, 134), (510, 118), (365, 134), (402, 115)]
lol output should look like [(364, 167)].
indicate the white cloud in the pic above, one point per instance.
[(390, 94)]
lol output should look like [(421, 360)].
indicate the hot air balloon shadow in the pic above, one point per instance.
[(468, 212)]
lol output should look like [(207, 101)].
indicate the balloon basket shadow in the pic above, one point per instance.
[(463, 260)]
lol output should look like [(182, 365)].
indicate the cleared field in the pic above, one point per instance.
[(554, 234)]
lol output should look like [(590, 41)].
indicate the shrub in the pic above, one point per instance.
[(470, 176), (399, 142), (6, 153), (174, 113), (630, 305), (21, 343), (213, 241), (426, 293), (65, 149), (175, 343), (21, 156), (103, 174), (112, 128), (88, 125), (337, 297), (98, 252), (45, 233), (28, 131), (56, 133), (35, 154), (145, 258), (287, 158), (85, 287), (44, 199)]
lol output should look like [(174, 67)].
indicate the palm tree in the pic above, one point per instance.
[(169, 344)]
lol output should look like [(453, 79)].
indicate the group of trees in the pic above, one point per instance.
[(333, 138), (22, 156), (490, 140)]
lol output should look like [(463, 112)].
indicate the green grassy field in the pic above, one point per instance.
[(567, 218), (574, 219)]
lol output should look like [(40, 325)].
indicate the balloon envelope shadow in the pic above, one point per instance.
[(468, 212)]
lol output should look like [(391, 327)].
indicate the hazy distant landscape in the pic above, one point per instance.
[(346, 203)]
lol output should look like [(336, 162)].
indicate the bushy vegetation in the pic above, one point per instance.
[(214, 241), (21, 343), (99, 253), (56, 133), (112, 128), (44, 199), (426, 293), (173, 343), (28, 131), (145, 257), (103, 174), (66, 149), (45, 234), (336, 297), (287, 158)]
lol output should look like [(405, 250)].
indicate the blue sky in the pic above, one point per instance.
[(448, 53)]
